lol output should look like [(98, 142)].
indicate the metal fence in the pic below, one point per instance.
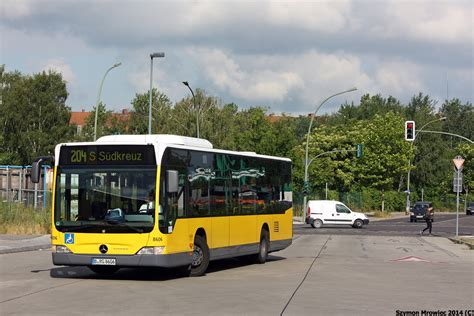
[(16, 186), (391, 201)]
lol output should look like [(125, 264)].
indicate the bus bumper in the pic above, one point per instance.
[(165, 260)]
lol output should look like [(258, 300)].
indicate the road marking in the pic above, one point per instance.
[(410, 259), (306, 275)]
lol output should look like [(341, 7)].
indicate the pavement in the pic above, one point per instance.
[(20, 243), (317, 275)]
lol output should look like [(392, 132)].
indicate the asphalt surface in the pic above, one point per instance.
[(444, 225), (317, 275)]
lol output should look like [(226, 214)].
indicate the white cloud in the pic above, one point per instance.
[(311, 16), (60, 66), (255, 83), (14, 9), (286, 54), (396, 78), (440, 22)]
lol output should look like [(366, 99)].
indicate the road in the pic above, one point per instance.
[(319, 274), (443, 226)]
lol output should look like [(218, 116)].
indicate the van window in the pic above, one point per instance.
[(342, 209)]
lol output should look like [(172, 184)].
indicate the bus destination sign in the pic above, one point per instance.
[(107, 155)]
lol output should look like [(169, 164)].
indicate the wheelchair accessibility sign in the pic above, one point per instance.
[(69, 239)]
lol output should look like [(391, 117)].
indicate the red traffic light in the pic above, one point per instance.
[(410, 131)]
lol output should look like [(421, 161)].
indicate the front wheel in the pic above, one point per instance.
[(358, 223), (200, 257)]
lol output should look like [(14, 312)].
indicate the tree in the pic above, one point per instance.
[(103, 120), (160, 115), (34, 116), (459, 120), (385, 157), (368, 108)]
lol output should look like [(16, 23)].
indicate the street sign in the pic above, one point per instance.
[(457, 182), (458, 162), (359, 151)]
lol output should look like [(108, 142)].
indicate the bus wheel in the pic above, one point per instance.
[(200, 257), (262, 255), (104, 270)]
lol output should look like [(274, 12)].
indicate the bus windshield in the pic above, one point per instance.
[(105, 199)]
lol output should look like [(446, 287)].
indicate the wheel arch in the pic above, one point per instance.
[(201, 232)]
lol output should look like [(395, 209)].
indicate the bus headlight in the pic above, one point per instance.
[(151, 251), (61, 249)]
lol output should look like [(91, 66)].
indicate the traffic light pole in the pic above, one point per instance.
[(413, 139)]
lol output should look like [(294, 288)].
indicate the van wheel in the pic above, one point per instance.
[(358, 223), (200, 257), (317, 223), (262, 255)]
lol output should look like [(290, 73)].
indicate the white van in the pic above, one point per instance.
[(323, 212)]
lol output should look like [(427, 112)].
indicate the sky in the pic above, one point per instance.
[(284, 55)]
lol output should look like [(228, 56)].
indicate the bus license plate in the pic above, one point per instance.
[(103, 261)]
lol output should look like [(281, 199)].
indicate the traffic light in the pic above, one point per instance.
[(306, 188), (410, 131)]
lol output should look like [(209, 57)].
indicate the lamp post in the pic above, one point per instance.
[(407, 209), (153, 55), (195, 107), (306, 162), (98, 98)]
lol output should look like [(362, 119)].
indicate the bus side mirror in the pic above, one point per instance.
[(172, 181), (36, 167)]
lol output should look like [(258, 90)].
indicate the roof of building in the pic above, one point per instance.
[(79, 118)]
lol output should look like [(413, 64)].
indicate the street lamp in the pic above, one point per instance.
[(98, 98), (407, 209), (306, 164), (154, 55), (195, 106)]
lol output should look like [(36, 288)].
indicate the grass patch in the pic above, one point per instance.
[(19, 220), (463, 240), (380, 214)]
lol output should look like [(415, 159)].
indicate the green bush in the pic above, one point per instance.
[(17, 219)]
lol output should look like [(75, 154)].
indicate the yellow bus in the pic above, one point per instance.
[(165, 201)]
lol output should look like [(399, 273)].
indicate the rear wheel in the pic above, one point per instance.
[(104, 270), (317, 223), (200, 257), (262, 255), (358, 223)]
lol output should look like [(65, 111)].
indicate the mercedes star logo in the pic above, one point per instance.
[(103, 248)]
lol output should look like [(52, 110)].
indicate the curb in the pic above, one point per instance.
[(24, 249), (460, 241)]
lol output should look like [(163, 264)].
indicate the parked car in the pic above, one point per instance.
[(470, 208), (418, 211), (323, 212)]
